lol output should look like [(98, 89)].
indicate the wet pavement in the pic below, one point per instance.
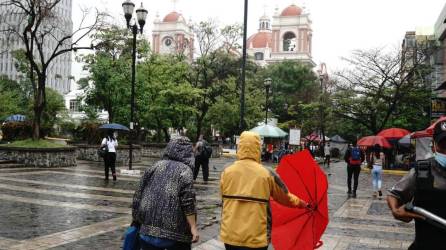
[(74, 208)]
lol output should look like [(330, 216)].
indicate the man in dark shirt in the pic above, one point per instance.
[(425, 186), (353, 168)]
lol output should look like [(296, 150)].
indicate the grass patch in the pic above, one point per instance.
[(34, 144)]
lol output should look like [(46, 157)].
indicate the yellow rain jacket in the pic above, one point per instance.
[(246, 187)]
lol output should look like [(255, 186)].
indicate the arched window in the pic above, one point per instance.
[(258, 56), (289, 42)]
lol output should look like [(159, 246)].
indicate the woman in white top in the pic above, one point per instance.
[(111, 143), (378, 160)]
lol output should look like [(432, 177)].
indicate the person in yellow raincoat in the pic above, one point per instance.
[(246, 187)]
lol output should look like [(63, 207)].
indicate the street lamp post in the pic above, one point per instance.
[(242, 77), (141, 14), (267, 83), (321, 108)]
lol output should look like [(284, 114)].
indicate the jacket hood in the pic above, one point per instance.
[(249, 146), (180, 149)]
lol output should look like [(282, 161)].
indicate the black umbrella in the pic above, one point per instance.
[(114, 126)]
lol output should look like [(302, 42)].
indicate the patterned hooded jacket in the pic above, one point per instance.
[(165, 195)]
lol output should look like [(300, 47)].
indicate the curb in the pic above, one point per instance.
[(229, 155), (387, 171)]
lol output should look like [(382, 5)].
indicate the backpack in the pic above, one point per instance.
[(355, 156), (206, 151)]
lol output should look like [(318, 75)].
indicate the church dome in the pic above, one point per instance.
[(172, 17), (292, 10), (260, 40)]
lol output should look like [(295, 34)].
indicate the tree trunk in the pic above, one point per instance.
[(39, 105)]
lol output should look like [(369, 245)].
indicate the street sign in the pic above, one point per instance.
[(295, 137), (438, 107)]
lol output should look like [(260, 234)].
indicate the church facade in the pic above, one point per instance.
[(287, 37), (173, 35)]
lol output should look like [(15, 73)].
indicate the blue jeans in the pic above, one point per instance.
[(376, 179)]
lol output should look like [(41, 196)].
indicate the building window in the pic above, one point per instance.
[(74, 105), (289, 42), (258, 56)]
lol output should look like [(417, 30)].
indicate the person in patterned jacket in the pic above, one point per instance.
[(164, 205)]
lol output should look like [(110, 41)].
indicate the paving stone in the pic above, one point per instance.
[(24, 221), (367, 222)]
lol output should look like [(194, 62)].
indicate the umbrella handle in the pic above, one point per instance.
[(318, 244)]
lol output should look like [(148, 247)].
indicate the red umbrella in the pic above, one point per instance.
[(394, 133), (301, 229), (370, 141)]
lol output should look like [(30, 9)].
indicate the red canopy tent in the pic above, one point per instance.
[(430, 129), (420, 134)]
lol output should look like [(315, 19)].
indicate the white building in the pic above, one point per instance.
[(72, 103), (59, 73), (288, 37)]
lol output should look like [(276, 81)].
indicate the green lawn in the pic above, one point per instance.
[(34, 144)]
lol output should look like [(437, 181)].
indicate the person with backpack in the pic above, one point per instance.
[(203, 151), (110, 143), (425, 187), (354, 158)]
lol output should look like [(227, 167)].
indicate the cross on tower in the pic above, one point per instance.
[(174, 3)]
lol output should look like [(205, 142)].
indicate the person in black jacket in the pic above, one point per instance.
[(353, 167), (425, 186)]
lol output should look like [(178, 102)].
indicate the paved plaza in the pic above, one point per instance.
[(74, 208)]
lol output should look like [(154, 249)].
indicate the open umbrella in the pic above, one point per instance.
[(301, 229), (269, 131), (394, 133), (370, 141), (114, 126), (15, 118)]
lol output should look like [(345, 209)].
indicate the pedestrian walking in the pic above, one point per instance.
[(110, 142), (378, 161), (164, 205), (246, 187), (327, 154), (203, 151), (425, 186), (354, 157)]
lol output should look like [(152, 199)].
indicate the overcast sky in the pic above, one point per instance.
[(338, 26)]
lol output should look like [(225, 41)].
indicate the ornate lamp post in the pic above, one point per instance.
[(141, 14), (267, 83), (321, 107)]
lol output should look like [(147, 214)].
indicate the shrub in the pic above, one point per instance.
[(88, 132), (17, 130)]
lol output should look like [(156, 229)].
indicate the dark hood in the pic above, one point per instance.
[(180, 149)]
